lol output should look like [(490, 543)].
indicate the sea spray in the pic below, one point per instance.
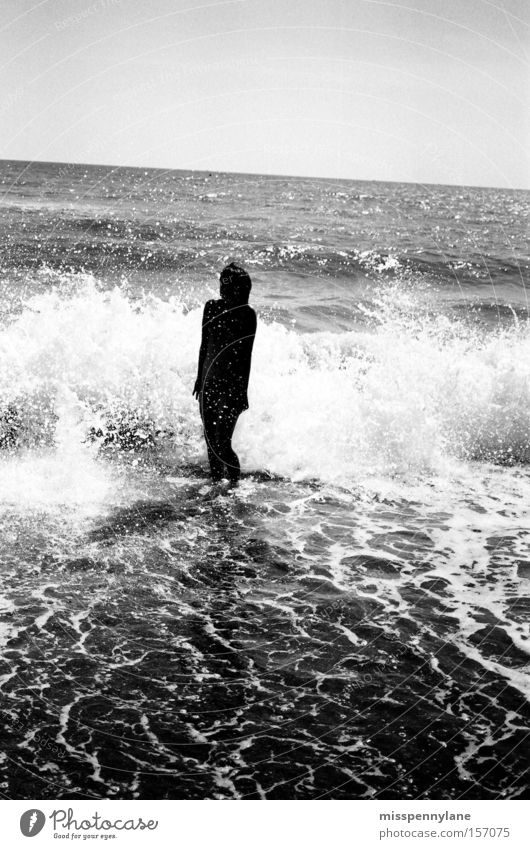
[(403, 396), (283, 637)]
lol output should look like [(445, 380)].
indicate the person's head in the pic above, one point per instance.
[(235, 284)]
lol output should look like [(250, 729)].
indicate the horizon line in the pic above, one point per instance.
[(260, 174)]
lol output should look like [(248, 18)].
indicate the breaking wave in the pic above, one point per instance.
[(86, 369)]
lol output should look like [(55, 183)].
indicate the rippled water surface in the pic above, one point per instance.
[(352, 620)]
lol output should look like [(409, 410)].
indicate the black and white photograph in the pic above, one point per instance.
[(264, 405)]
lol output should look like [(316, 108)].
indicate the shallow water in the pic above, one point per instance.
[(277, 640)]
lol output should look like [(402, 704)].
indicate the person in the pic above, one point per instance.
[(228, 331)]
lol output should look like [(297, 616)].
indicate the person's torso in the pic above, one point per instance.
[(230, 333)]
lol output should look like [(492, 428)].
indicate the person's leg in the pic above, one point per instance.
[(227, 423), (211, 422)]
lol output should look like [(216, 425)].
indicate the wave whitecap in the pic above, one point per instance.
[(92, 367)]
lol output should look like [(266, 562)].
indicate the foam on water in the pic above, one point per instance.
[(354, 624), (320, 629), (50, 481), (412, 394)]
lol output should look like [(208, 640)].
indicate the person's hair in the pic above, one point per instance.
[(235, 284)]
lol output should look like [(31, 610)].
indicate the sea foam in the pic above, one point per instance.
[(408, 394)]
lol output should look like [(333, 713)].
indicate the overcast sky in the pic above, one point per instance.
[(420, 90)]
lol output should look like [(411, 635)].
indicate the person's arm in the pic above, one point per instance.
[(248, 342), (202, 351)]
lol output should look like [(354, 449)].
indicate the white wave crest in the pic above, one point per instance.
[(407, 395)]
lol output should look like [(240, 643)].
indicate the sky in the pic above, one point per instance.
[(428, 91)]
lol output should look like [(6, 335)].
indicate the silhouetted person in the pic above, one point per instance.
[(228, 331)]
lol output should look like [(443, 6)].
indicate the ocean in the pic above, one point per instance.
[(352, 620)]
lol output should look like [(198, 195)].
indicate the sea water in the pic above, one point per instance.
[(352, 620)]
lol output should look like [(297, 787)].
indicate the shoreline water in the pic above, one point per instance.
[(352, 621)]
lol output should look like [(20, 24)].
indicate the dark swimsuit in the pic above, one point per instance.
[(228, 332)]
